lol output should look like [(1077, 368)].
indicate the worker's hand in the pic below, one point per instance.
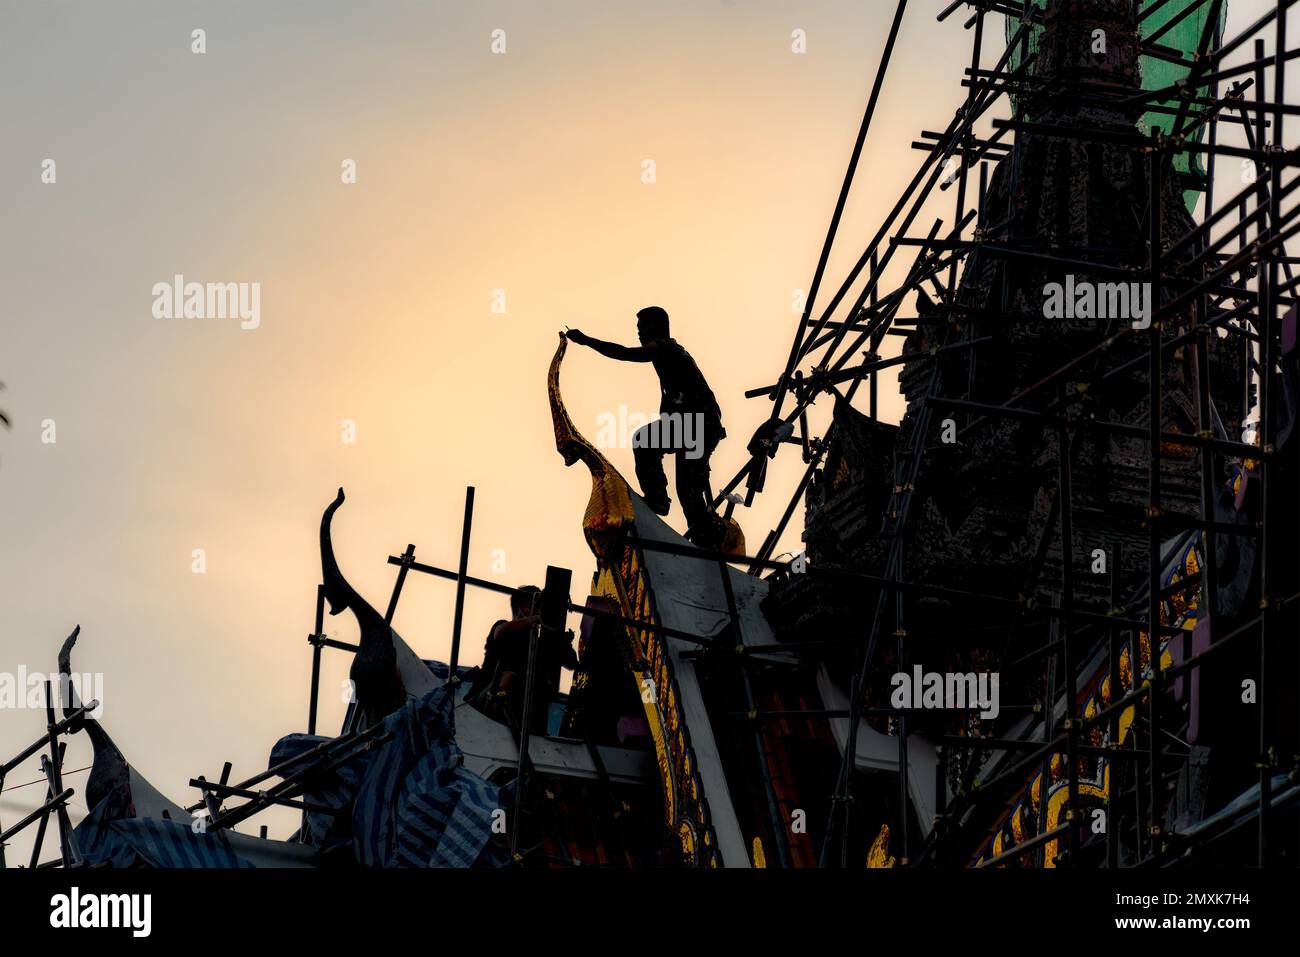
[(576, 335)]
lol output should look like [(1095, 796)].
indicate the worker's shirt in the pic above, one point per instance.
[(681, 383)]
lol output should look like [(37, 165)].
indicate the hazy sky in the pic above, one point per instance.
[(476, 172)]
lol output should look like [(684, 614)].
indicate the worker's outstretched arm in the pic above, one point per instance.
[(612, 350)]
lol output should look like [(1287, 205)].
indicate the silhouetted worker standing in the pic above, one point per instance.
[(689, 426)]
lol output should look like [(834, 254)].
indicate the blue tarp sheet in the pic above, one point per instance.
[(412, 803)]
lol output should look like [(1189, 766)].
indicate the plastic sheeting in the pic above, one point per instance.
[(1184, 36)]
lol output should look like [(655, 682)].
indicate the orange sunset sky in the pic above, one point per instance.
[(476, 172)]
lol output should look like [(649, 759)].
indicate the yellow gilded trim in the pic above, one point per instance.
[(1055, 801), (610, 507), (878, 856)]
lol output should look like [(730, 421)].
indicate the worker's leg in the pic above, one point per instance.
[(648, 452), (693, 474)]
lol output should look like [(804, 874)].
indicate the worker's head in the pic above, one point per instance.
[(652, 324), (527, 600)]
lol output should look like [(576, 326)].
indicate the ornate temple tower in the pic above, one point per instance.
[(982, 514)]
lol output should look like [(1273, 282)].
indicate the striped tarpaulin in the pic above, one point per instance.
[(409, 803), (335, 789), (412, 802), (443, 822), (104, 839), (175, 844)]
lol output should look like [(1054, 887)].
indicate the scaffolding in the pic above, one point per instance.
[(1202, 286), (1257, 274)]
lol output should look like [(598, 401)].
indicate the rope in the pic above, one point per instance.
[(15, 787)]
